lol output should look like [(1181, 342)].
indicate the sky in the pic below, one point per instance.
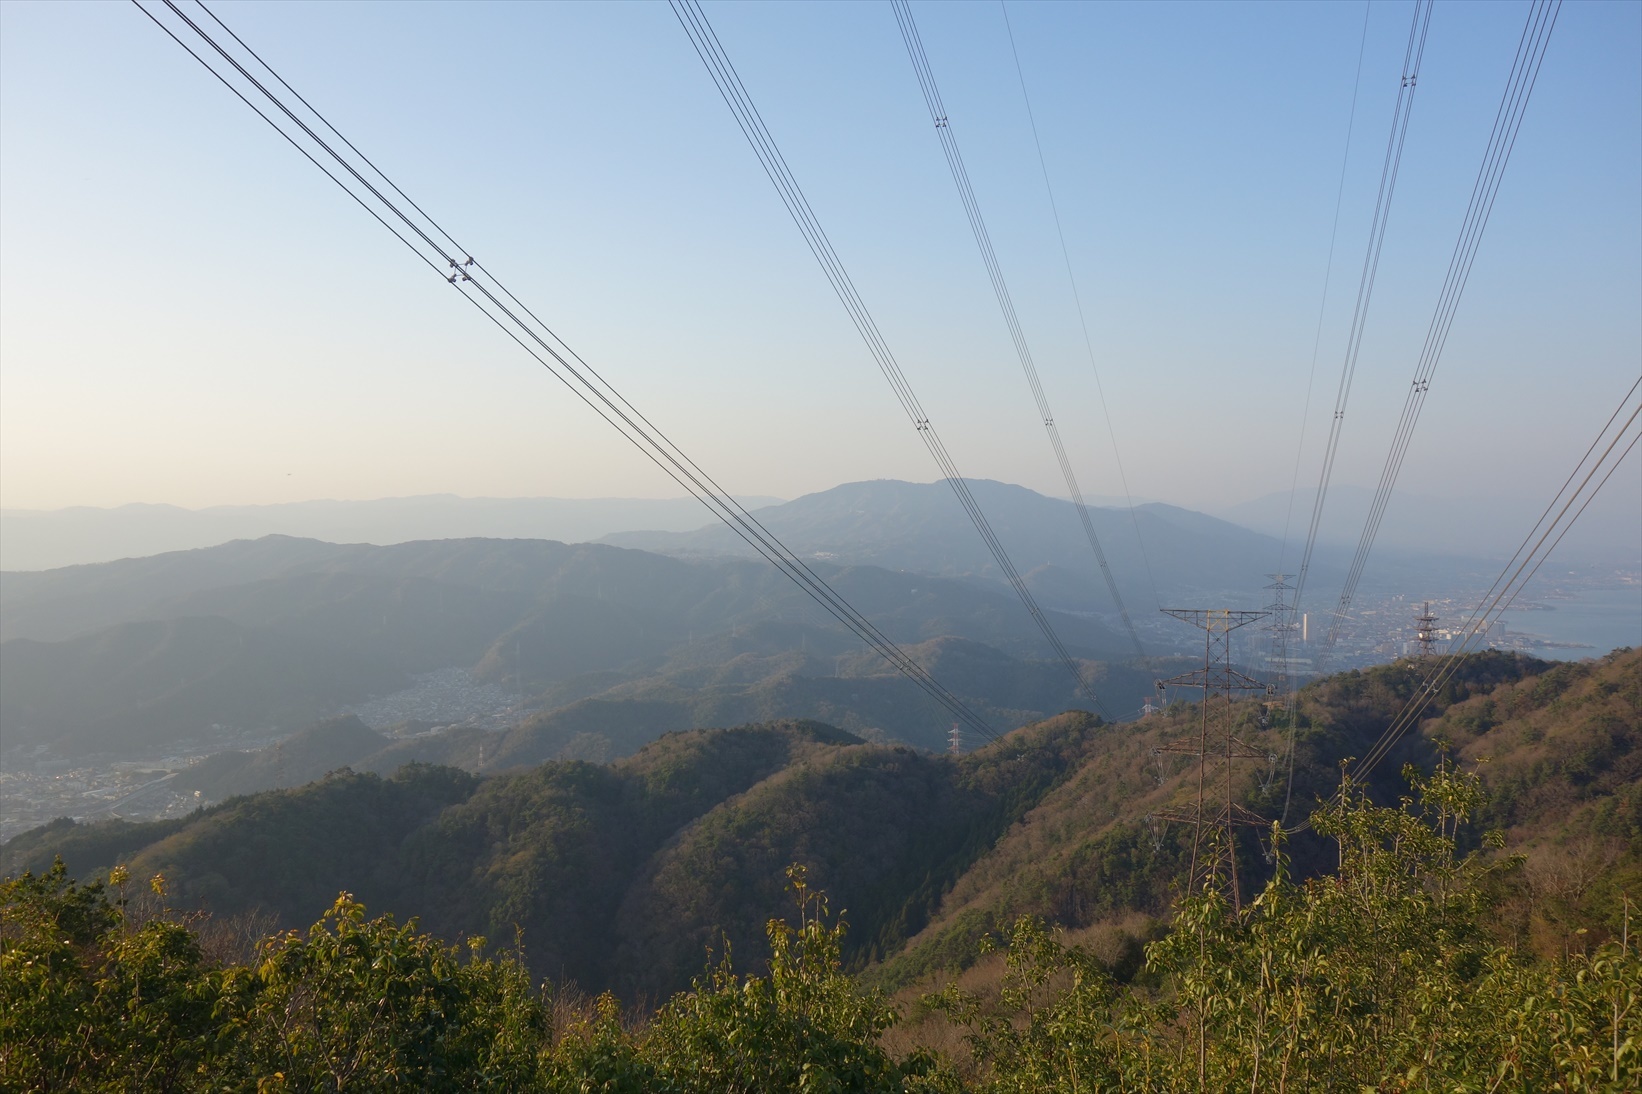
[(191, 314)]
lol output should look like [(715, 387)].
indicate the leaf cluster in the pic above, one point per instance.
[(1380, 976)]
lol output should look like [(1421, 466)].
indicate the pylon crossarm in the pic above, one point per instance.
[(1243, 818), (1183, 748), (1215, 620), (1241, 750), (1193, 679), (1232, 679)]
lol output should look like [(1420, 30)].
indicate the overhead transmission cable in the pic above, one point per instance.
[(370, 188), (734, 93), (1413, 53), (1328, 280), (1523, 564), (1565, 508), (762, 143), (1536, 36), (972, 209), (1077, 298), (1283, 629)]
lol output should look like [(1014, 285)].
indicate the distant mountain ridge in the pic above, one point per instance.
[(725, 688), (920, 527), (271, 635), (48, 539), (174, 641)]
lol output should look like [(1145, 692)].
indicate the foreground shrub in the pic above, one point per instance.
[(1378, 977), (1381, 976), (804, 1027), (91, 1002), (359, 1004)]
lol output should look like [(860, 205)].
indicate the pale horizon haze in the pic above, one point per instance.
[(190, 314)]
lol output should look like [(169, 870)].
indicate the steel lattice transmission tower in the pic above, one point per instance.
[(1280, 627), (1426, 634), (1216, 806)]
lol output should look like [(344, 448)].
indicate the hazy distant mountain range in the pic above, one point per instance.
[(601, 647), (144, 655), (45, 539), (1470, 526), (920, 527)]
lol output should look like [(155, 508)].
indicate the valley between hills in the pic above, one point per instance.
[(146, 687), (624, 875), (603, 773)]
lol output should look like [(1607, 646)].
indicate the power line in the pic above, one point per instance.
[(1412, 55), (1536, 37), (1284, 625), (734, 93), (1077, 298), (1560, 515), (1328, 278), (966, 193), (455, 264), (1511, 582)]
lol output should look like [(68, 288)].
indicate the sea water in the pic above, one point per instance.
[(1594, 621)]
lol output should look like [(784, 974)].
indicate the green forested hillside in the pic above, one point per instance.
[(300, 758), (740, 679), (1561, 753), (886, 830), (623, 874), (1396, 968), (549, 851)]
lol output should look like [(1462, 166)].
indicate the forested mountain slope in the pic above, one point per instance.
[(127, 658), (1562, 753), (622, 874), (1565, 769), (601, 716), (151, 687)]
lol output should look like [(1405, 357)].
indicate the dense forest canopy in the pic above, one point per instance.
[(1383, 975), (1459, 919)]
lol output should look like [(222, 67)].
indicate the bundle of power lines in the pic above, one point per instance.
[(983, 240), (1413, 53), (244, 73), (1531, 47), (1614, 442), (728, 81), (1536, 36), (255, 83)]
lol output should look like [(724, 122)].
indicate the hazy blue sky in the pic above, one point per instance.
[(190, 313)]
